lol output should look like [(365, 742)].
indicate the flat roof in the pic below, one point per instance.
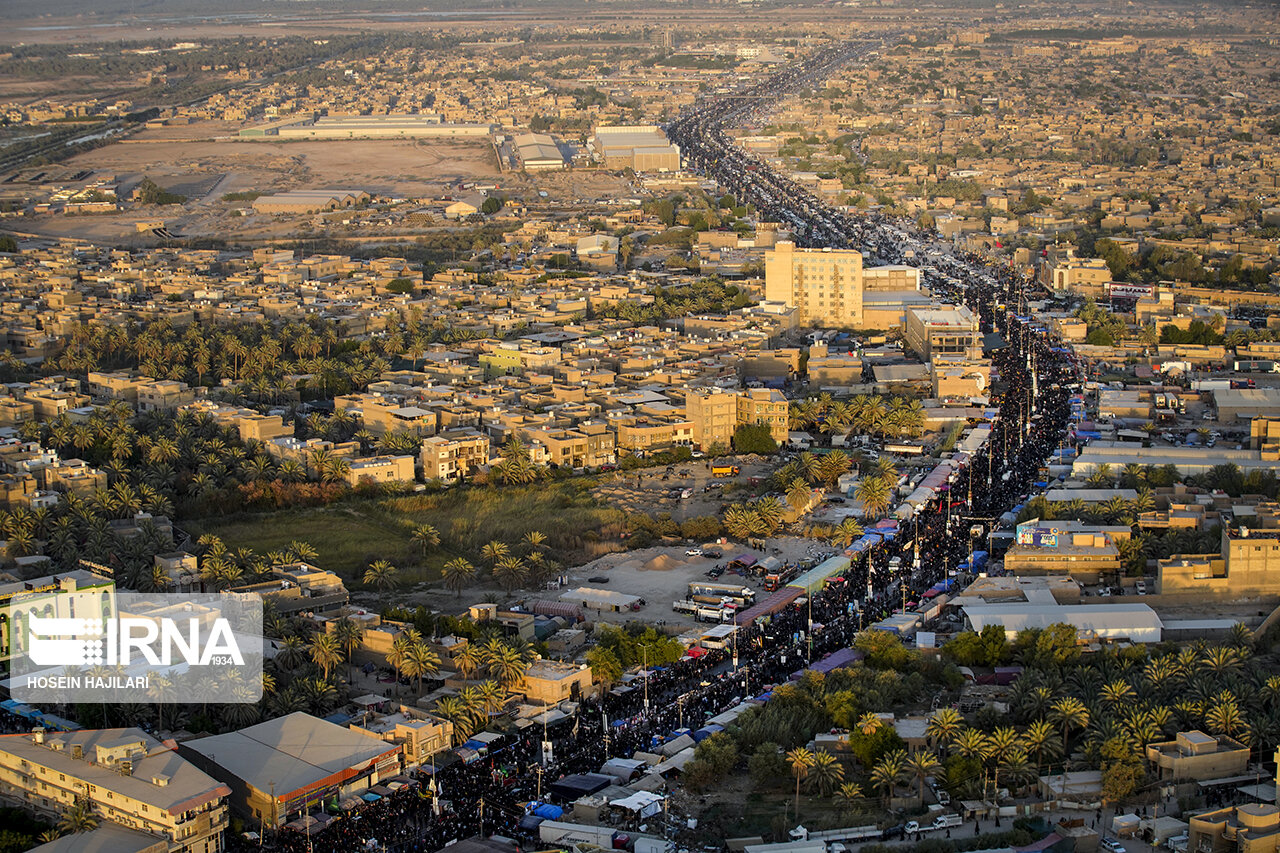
[(293, 751), (185, 785)]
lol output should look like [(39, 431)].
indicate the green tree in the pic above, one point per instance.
[(767, 765), (754, 438)]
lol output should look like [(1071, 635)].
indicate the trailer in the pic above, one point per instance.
[(737, 592), (685, 606)]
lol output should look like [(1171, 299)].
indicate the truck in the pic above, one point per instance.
[(685, 606), (942, 821), (736, 592), (712, 614), (724, 470)]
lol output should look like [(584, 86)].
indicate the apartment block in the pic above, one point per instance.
[(451, 455), (825, 285), (127, 777)]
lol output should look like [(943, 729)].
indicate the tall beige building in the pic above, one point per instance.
[(716, 414), (824, 285)]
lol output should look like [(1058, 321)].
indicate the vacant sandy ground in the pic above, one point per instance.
[(382, 167)]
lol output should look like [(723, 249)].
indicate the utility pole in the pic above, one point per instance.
[(482, 817), (645, 650)]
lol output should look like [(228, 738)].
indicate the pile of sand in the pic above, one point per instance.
[(661, 563)]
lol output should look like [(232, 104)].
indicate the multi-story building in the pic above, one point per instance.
[(455, 454), (714, 415), (945, 332), (1248, 564), (824, 285), (383, 415), (125, 775), (765, 406), (1249, 828), (1197, 757), (420, 735), (1068, 274)]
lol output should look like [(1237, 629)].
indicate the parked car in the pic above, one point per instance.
[(693, 552), (1112, 846), (597, 579)]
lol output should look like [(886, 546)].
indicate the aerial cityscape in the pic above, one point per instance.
[(669, 426)]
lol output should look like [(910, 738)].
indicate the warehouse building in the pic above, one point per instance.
[(283, 768), (1188, 460), (426, 126), (310, 201), (1137, 623), (643, 148), (538, 152)]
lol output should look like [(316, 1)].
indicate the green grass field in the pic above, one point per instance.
[(350, 534)]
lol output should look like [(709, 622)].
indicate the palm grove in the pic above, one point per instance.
[(1070, 710)]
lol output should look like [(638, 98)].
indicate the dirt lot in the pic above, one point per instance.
[(190, 161), (589, 185), (656, 490)]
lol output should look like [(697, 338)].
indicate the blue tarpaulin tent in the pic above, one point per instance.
[(548, 811)]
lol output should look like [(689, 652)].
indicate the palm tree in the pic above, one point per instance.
[(869, 723), (1070, 712), (457, 573), (971, 743), (874, 494), (425, 537), (79, 818), (826, 773), (1117, 692), (493, 551), (536, 540), (508, 666), (399, 655), (467, 659), (326, 652), (943, 726), (381, 575), (801, 760), (423, 661), (888, 772), (922, 765), (850, 796), (452, 709), (509, 572), (293, 651), (846, 532), (1041, 738), (349, 636)]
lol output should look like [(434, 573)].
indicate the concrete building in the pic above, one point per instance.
[(643, 148), (1249, 828), (453, 454), (127, 777), (381, 469), (1196, 757), (420, 735), (548, 682), (1069, 274), (281, 769), (1242, 404), (946, 332), (300, 588), (716, 414), (1247, 566), (824, 285)]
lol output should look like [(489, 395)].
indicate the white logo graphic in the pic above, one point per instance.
[(56, 641), (99, 645)]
